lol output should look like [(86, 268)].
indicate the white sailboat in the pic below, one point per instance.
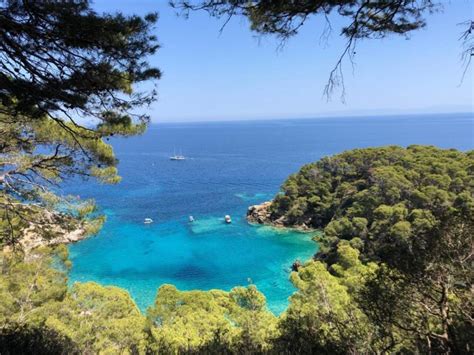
[(177, 156)]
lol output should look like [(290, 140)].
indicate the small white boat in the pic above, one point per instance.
[(191, 219), (148, 221), (227, 219), (177, 156)]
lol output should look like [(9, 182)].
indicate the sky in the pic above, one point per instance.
[(236, 75)]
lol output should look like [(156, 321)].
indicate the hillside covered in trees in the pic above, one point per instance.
[(411, 212)]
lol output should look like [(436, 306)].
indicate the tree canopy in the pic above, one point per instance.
[(284, 18), (69, 79), (362, 19), (411, 211), (391, 198), (38, 309), (63, 60), (211, 322)]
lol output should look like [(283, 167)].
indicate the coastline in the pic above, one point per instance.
[(32, 239)]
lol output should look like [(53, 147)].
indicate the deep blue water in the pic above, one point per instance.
[(230, 166)]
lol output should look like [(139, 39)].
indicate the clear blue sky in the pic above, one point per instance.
[(235, 75)]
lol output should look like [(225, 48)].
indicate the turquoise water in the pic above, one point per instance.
[(230, 166), (203, 255)]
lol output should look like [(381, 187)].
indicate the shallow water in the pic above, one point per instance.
[(230, 166)]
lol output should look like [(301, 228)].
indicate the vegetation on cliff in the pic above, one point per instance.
[(410, 211)]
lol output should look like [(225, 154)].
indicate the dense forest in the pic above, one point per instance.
[(394, 272), (409, 211)]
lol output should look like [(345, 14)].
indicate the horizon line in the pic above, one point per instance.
[(329, 116)]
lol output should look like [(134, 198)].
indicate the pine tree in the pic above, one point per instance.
[(69, 79)]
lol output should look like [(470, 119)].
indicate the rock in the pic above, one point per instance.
[(296, 265), (49, 233), (31, 239), (259, 213)]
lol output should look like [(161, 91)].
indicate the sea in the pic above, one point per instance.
[(229, 166)]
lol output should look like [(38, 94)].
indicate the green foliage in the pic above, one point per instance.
[(99, 320), (212, 321), (359, 19), (411, 211), (27, 173), (392, 198), (284, 18), (26, 287), (38, 308), (63, 56), (35, 303), (68, 81), (323, 316)]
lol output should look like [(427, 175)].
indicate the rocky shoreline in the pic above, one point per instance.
[(261, 214), (32, 240)]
